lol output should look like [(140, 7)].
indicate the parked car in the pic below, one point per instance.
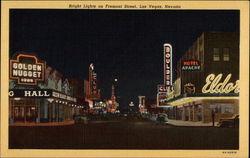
[(80, 119), (232, 121), (162, 118)]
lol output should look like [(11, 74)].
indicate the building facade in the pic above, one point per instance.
[(47, 100), (207, 79), (77, 89)]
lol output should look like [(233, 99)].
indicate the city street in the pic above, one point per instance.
[(122, 133)]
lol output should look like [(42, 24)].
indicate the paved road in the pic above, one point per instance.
[(123, 134)]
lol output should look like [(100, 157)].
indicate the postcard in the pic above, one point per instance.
[(124, 78)]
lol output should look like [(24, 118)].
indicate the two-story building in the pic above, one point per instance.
[(207, 79)]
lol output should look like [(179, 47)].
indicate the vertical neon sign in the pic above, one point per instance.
[(168, 67)]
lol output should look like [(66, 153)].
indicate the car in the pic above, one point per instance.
[(162, 118), (231, 122), (79, 119)]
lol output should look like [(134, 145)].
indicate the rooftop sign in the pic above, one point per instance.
[(27, 70)]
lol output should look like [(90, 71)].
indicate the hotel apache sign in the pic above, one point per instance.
[(168, 67), (27, 70), (190, 65)]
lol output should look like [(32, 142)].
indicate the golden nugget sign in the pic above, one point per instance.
[(26, 69), (214, 84)]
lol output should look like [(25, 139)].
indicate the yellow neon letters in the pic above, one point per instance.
[(213, 84)]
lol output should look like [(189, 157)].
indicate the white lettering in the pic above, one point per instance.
[(14, 72), (11, 93), (39, 68), (34, 93), (29, 67), (27, 93), (14, 65), (46, 94), (167, 55), (20, 66)]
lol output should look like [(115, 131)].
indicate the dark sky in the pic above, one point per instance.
[(127, 44)]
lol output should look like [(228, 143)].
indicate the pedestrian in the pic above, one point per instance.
[(213, 115)]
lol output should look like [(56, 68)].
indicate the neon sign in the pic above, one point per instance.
[(94, 83), (168, 67), (213, 84), (36, 93), (190, 65), (161, 88), (27, 70), (162, 99)]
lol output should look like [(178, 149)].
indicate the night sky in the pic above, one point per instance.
[(123, 44)]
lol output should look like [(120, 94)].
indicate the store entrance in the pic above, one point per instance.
[(25, 114), (19, 114), (31, 114), (25, 110)]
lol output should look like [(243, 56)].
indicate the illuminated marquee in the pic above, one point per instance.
[(63, 96), (168, 67), (214, 84), (27, 70), (161, 99), (35, 93)]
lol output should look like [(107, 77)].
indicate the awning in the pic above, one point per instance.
[(186, 100)]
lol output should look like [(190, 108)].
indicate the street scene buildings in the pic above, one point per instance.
[(56, 98), (207, 79), (122, 87)]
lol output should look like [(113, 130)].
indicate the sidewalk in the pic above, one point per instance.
[(189, 123), (43, 124)]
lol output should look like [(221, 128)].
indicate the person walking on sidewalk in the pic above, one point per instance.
[(213, 115)]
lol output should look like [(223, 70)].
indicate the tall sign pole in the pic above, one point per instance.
[(92, 80), (168, 72), (166, 88)]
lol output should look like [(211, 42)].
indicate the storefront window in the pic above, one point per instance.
[(222, 108), (227, 109)]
